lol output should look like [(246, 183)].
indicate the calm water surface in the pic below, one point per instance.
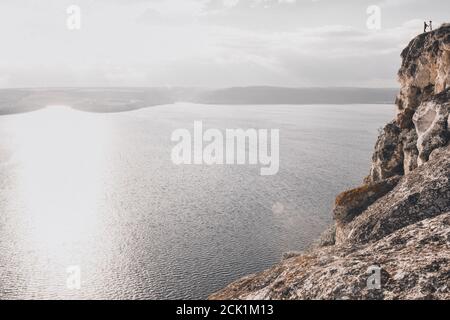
[(100, 192)]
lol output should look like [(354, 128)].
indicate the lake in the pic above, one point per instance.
[(99, 193)]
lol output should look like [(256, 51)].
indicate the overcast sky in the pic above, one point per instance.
[(214, 43)]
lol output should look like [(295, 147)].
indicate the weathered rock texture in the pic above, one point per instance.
[(421, 194), (421, 127), (399, 219)]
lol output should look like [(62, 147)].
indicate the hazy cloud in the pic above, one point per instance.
[(207, 42)]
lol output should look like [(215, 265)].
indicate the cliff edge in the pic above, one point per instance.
[(398, 221)]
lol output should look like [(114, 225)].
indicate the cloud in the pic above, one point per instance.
[(207, 42)]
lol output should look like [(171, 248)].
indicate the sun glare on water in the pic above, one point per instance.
[(60, 156)]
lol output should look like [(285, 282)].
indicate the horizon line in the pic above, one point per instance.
[(196, 87)]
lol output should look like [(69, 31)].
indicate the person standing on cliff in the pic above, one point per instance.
[(431, 25), (425, 26)]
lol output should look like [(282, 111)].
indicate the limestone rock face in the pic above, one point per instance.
[(399, 220), (431, 122), (421, 127), (425, 60), (421, 194), (422, 106), (388, 158), (351, 204), (410, 152)]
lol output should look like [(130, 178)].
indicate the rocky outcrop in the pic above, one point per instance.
[(431, 123), (421, 194), (388, 157), (423, 107), (421, 126), (350, 204), (398, 221)]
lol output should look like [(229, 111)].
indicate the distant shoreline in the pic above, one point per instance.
[(112, 100)]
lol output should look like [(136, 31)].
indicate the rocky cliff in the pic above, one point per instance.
[(398, 221)]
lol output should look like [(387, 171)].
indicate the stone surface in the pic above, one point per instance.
[(420, 123), (425, 67), (410, 153), (352, 203), (326, 239), (421, 194), (388, 158), (431, 122)]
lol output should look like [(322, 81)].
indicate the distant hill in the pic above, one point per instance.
[(278, 95), (126, 99)]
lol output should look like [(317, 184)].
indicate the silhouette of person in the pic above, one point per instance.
[(425, 26), (431, 25)]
